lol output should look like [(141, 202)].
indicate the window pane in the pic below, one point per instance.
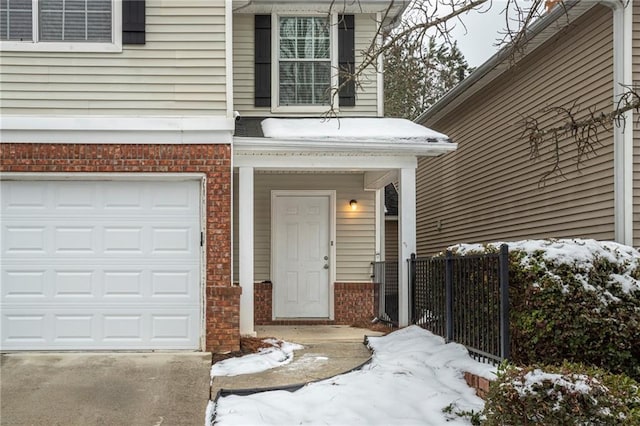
[(321, 94), (51, 5), (99, 5), (305, 72), (287, 73), (322, 48), (75, 27), (305, 48), (287, 94), (288, 27), (84, 20), (50, 26), (99, 26), (287, 48), (75, 5), (16, 20), (20, 26), (305, 94), (321, 28), (305, 27), (323, 72)]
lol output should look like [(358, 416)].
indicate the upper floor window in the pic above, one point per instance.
[(83, 25), (304, 62)]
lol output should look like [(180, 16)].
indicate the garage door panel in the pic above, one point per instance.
[(100, 265), (108, 329)]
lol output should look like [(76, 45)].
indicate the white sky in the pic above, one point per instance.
[(477, 43)]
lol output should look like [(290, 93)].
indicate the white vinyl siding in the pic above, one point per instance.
[(355, 230), (179, 71), (243, 63)]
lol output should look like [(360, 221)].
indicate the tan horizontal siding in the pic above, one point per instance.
[(489, 189), (179, 71), (355, 231), (243, 64)]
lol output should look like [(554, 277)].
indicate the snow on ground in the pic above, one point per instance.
[(412, 377), (356, 128), (280, 353)]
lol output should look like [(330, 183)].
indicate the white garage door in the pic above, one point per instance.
[(100, 265)]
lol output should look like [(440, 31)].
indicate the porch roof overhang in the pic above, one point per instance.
[(355, 137)]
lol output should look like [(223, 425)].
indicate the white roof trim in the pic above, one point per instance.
[(116, 129), (413, 146)]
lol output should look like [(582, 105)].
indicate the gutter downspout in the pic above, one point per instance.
[(623, 134)]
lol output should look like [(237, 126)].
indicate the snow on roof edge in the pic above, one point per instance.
[(389, 129)]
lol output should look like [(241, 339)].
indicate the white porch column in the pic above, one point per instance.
[(245, 237), (380, 225), (407, 238)]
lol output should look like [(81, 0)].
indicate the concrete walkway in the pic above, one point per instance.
[(149, 389), (328, 351)]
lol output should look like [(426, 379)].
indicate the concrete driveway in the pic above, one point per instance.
[(104, 389)]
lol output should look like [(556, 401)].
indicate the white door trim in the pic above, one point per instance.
[(125, 176), (332, 243)]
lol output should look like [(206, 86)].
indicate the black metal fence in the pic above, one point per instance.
[(464, 299), (386, 275)]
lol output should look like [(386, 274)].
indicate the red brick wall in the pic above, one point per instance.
[(262, 303), (354, 303), (223, 301), (480, 384)]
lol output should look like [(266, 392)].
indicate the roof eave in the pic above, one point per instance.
[(354, 147)]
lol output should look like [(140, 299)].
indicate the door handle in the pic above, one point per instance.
[(326, 266)]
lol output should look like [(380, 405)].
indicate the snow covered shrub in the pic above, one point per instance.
[(568, 395), (575, 300)]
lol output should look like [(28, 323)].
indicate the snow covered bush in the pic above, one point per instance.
[(575, 300), (568, 395)]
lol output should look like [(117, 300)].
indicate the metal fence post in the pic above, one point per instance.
[(505, 339), (448, 280), (412, 288)]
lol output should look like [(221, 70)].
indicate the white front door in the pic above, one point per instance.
[(301, 256)]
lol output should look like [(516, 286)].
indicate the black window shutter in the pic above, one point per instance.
[(346, 58), (262, 61), (133, 21)]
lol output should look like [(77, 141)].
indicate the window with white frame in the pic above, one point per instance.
[(76, 21), (304, 60)]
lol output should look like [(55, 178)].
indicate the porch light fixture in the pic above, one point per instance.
[(353, 204)]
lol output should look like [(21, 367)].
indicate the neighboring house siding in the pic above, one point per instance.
[(636, 132), (243, 64), (179, 71), (489, 189), (355, 231)]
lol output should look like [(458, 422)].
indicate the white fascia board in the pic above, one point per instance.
[(362, 6), (322, 162), (352, 146), (116, 129)]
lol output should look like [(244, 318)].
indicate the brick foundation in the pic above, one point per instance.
[(213, 160), (354, 303), (262, 303), (480, 384)]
